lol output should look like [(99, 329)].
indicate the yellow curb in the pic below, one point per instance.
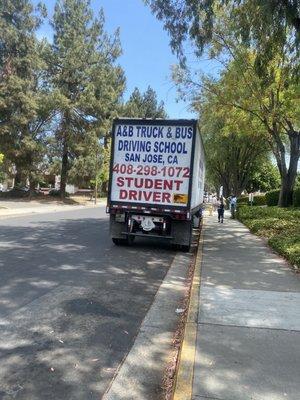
[(185, 372)]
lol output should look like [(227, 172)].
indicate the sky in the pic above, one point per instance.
[(147, 57)]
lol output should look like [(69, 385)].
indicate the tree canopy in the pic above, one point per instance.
[(88, 81), (263, 22), (233, 152), (257, 45), (58, 99), (144, 105), (24, 101)]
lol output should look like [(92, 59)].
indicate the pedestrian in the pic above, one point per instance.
[(233, 202), (221, 208), (210, 209), (215, 203)]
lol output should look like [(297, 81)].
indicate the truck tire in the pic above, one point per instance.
[(123, 242), (185, 249), (130, 240), (119, 242), (180, 247)]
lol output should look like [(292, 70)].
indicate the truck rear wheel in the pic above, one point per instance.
[(119, 242), (123, 242), (185, 249), (180, 247)]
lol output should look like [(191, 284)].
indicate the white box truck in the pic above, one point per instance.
[(156, 180)]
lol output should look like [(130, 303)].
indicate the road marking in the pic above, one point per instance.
[(185, 372)]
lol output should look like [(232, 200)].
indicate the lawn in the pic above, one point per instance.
[(281, 226)]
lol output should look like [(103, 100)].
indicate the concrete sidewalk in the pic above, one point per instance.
[(15, 208), (248, 326)]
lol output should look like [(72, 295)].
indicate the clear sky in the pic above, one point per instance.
[(147, 56)]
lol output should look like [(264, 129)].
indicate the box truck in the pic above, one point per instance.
[(156, 180)]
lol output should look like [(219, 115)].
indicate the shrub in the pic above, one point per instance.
[(296, 197), (257, 200), (15, 193), (288, 245), (260, 200), (56, 193), (272, 197), (243, 200)]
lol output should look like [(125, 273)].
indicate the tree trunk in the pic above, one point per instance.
[(64, 169), (32, 185), (286, 193), (288, 179), (20, 179)]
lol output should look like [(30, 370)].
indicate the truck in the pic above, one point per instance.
[(156, 182)]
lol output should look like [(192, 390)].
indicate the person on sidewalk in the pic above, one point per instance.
[(233, 202), (221, 208), (215, 203)]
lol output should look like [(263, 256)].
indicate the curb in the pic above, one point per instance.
[(53, 209), (185, 370), (139, 374)]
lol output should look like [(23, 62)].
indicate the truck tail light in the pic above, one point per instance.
[(180, 216)]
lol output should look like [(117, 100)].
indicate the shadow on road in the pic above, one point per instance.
[(71, 304)]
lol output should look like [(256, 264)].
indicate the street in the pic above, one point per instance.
[(71, 303)]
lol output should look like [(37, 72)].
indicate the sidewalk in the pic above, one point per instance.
[(248, 326), (15, 208)]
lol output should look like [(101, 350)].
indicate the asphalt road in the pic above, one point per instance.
[(71, 303)]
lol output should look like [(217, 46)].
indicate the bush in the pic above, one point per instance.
[(296, 197), (288, 245), (272, 198), (243, 200), (54, 192), (257, 200), (260, 200), (15, 193)]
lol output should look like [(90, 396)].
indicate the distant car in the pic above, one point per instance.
[(24, 189), (1, 187)]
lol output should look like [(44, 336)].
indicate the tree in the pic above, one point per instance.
[(86, 77), (273, 100), (263, 22), (275, 104), (235, 147), (265, 177), (24, 106), (266, 87), (144, 105)]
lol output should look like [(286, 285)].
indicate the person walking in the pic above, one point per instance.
[(215, 203), (233, 202), (221, 208)]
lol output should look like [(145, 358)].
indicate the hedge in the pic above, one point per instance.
[(272, 198), (259, 200), (243, 200)]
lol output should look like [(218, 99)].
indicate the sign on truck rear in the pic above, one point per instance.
[(152, 162)]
